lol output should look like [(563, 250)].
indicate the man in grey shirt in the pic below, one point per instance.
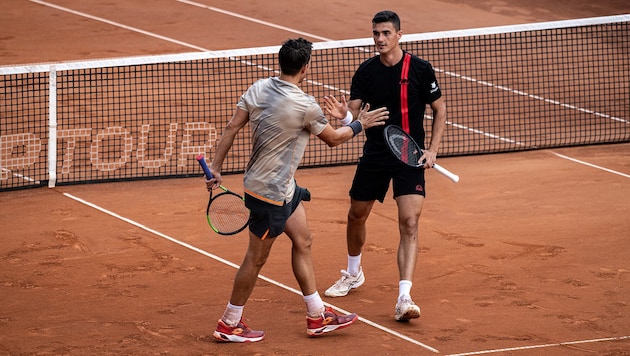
[(282, 117)]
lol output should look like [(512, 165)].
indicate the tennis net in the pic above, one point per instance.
[(507, 88)]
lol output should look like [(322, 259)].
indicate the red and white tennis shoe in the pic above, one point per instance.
[(328, 321), (238, 333)]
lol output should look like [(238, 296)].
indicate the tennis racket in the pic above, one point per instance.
[(407, 150), (226, 212)]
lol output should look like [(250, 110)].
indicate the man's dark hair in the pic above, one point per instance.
[(294, 54), (387, 16)]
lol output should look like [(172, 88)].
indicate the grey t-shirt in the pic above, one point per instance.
[(281, 118)]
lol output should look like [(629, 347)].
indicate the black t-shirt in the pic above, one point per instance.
[(379, 85)]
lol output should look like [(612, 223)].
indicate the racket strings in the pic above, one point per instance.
[(227, 213), (404, 149)]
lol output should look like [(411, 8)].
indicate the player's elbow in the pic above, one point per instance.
[(332, 137), (336, 140), (333, 143)]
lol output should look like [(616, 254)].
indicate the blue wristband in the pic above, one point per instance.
[(356, 127)]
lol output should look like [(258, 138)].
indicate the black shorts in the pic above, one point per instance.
[(371, 182), (268, 220)]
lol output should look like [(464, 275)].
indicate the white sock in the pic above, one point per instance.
[(232, 314), (354, 264), (404, 289), (314, 305)]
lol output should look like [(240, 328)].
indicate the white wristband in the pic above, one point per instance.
[(348, 119)]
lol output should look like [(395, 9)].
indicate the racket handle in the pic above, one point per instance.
[(202, 162), (450, 175)]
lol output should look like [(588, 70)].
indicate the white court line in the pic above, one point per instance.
[(590, 165), (251, 19), (542, 346), (18, 175), (231, 264), (487, 134), (117, 24), (172, 40), (534, 97)]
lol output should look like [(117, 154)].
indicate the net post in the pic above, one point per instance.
[(52, 127)]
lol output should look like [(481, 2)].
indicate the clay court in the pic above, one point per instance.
[(526, 255)]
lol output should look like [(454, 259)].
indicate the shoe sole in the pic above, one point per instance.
[(328, 328), (223, 337), (334, 295), (412, 313)]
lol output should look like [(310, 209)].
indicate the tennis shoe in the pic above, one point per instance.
[(406, 310), (238, 333), (345, 283), (328, 321)]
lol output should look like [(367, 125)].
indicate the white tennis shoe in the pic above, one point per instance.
[(345, 283), (406, 309)]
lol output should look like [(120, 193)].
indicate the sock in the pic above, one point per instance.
[(404, 289), (232, 314), (314, 305), (354, 264)]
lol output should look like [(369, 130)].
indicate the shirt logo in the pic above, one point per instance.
[(434, 87)]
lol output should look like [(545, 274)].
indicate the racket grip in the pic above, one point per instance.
[(450, 175), (202, 162)]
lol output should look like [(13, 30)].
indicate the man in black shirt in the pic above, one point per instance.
[(405, 84)]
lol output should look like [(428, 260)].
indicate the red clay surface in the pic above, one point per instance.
[(529, 249)]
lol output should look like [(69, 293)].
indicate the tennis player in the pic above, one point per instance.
[(405, 87), (281, 118)]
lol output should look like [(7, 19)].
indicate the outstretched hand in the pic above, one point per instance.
[(334, 107), (373, 118)]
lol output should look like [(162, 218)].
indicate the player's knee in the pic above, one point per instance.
[(357, 216), (408, 226), (303, 243)]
